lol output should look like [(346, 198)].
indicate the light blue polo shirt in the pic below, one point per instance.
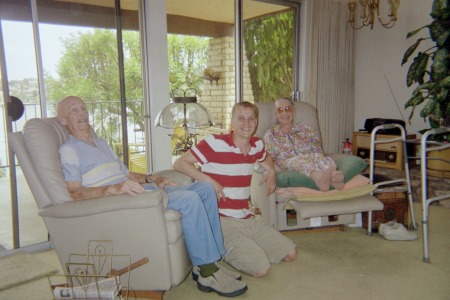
[(90, 165)]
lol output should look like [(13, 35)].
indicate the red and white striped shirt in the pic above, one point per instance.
[(224, 162)]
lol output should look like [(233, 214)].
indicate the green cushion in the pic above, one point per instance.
[(349, 165)]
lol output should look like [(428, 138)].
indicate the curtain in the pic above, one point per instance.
[(331, 75)]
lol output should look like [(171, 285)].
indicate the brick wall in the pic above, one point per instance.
[(219, 96)]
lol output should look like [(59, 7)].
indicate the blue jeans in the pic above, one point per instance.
[(197, 203)]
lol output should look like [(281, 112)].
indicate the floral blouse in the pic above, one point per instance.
[(298, 151)]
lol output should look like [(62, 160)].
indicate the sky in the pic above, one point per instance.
[(20, 51)]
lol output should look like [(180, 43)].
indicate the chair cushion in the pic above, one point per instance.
[(311, 209), (43, 138), (349, 165)]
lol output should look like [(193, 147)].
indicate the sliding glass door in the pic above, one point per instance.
[(227, 50), (251, 53), (57, 48)]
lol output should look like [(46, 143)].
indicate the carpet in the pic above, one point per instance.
[(20, 268)]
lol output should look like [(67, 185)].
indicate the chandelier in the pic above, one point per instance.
[(369, 10), (186, 114)]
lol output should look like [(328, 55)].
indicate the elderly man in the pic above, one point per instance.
[(227, 161), (91, 169)]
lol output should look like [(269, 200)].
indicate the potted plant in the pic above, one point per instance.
[(430, 70)]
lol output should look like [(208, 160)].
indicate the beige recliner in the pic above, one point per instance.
[(139, 226), (305, 214)]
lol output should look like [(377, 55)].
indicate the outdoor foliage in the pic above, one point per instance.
[(269, 46), (89, 69), (187, 60), (430, 69)]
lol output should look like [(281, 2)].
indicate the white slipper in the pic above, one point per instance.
[(394, 231)]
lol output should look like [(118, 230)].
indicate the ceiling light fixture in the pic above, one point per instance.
[(369, 10)]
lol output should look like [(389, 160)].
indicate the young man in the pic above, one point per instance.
[(227, 161), (91, 169)]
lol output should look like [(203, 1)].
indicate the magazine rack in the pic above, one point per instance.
[(98, 274)]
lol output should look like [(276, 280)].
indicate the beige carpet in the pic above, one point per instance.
[(350, 265), (21, 268), (347, 265)]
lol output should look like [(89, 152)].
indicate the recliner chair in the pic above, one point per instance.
[(307, 213), (139, 226)]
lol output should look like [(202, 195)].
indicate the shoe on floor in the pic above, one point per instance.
[(221, 284), (396, 232), (234, 275)]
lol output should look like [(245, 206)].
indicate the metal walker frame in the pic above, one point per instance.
[(407, 179), (425, 147), (423, 171)]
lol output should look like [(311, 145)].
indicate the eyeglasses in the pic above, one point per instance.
[(286, 109)]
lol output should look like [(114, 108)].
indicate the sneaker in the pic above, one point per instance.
[(234, 275), (221, 284), (396, 232)]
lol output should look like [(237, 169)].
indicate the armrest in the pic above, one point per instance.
[(260, 169), (73, 209)]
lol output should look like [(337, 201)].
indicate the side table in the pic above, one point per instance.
[(389, 155)]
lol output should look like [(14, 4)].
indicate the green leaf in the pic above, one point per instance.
[(414, 100), (445, 82), (417, 69), (414, 32), (439, 8), (442, 95), (440, 64), (429, 107), (439, 33), (411, 50)]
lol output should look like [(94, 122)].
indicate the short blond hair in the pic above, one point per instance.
[(245, 104)]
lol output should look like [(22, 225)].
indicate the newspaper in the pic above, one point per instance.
[(108, 288)]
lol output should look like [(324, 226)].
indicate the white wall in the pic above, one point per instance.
[(379, 53)]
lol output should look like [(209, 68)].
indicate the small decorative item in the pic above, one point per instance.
[(211, 75), (98, 274), (347, 149)]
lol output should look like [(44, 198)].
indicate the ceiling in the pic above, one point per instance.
[(210, 10)]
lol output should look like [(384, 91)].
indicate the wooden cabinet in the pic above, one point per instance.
[(387, 155)]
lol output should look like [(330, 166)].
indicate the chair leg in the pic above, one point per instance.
[(143, 294)]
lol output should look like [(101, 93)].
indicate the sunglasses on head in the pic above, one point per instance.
[(286, 109)]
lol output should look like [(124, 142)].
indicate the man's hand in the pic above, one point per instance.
[(162, 182), (127, 187), (218, 188), (270, 178), (270, 174)]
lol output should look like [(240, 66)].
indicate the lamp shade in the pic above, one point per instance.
[(184, 112)]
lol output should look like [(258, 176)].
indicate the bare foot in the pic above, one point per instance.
[(337, 180), (322, 179)]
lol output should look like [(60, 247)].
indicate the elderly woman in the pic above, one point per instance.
[(295, 147)]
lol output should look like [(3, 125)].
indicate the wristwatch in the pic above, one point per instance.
[(146, 178)]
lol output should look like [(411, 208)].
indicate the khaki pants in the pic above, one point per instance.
[(253, 246)]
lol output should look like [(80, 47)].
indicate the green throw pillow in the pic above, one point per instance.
[(349, 165)]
